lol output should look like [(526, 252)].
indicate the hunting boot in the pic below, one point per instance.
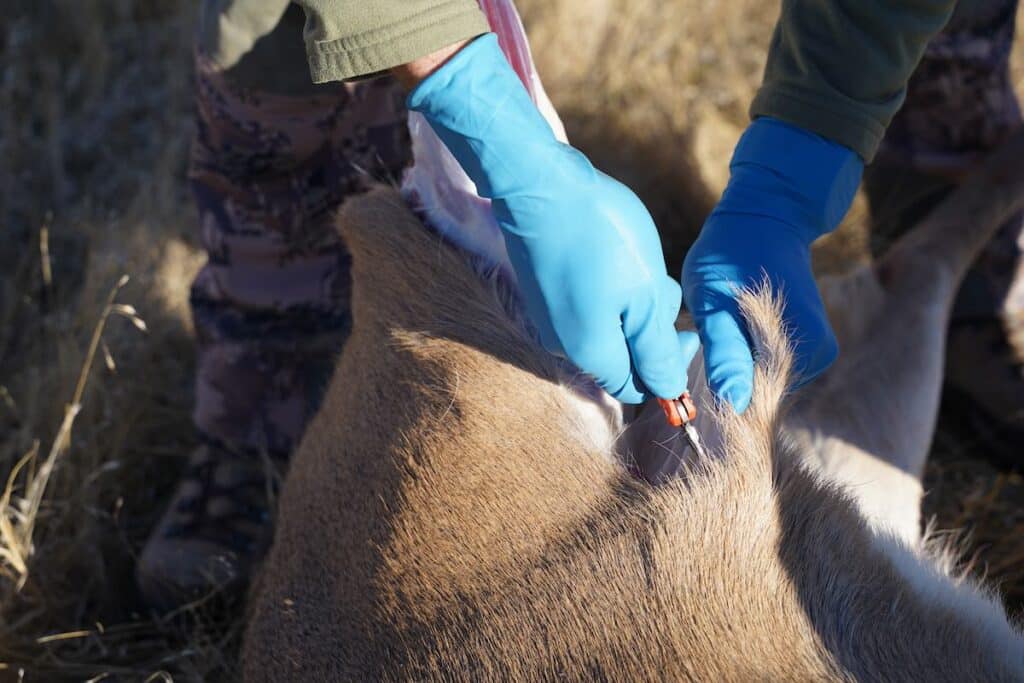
[(271, 162), (960, 106)]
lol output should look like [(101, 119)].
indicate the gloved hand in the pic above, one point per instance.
[(584, 248), (787, 187)]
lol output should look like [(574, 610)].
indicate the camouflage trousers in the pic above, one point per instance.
[(271, 306), (960, 101), (960, 105)]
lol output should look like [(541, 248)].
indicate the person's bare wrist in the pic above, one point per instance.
[(411, 74)]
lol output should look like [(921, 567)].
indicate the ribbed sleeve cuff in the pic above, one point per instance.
[(398, 43)]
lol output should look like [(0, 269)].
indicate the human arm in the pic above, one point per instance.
[(839, 68), (587, 256), (836, 73), (348, 39)]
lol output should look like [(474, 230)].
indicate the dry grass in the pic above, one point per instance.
[(94, 133), (94, 127)]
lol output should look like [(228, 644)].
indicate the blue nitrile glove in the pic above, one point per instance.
[(787, 187), (585, 250)]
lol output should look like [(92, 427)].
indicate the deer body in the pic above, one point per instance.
[(457, 512)]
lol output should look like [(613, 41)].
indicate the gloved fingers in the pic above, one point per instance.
[(548, 338), (814, 362), (654, 346), (689, 345), (602, 351), (670, 301), (689, 341), (727, 357), (533, 301), (815, 349)]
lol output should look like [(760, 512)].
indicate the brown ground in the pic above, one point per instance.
[(94, 127)]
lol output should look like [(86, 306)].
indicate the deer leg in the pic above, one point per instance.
[(869, 421)]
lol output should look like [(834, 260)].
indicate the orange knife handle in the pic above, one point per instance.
[(671, 411), (679, 411)]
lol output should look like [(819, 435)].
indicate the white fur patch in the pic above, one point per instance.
[(594, 419)]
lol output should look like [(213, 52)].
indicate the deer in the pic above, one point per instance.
[(461, 508)]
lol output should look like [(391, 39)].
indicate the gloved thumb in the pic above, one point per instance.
[(689, 345), (658, 358), (727, 357)]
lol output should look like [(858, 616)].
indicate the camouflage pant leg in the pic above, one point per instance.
[(271, 307), (960, 105), (960, 101)]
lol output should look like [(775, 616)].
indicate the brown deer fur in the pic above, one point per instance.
[(454, 513)]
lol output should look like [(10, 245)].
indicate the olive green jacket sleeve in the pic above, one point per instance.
[(350, 38), (840, 68)]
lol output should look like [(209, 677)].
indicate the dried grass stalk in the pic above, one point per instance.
[(18, 515)]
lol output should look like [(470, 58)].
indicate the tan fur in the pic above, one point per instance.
[(445, 520)]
